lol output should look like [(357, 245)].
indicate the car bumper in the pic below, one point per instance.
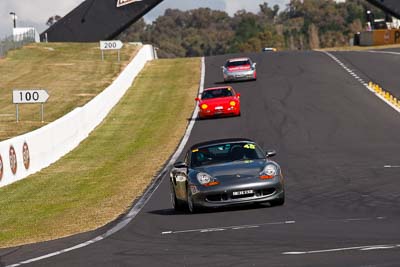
[(215, 113), (220, 196), (239, 75)]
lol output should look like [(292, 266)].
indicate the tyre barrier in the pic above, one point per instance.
[(26, 154)]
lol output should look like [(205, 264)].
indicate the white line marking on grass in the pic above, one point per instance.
[(143, 200), (360, 248)]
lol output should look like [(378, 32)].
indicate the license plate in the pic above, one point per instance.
[(244, 192), (219, 108)]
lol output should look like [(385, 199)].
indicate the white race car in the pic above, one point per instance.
[(236, 69)]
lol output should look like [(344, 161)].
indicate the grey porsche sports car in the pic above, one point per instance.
[(226, 172)]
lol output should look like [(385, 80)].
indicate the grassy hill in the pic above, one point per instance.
[(98, 181), (72, 73)]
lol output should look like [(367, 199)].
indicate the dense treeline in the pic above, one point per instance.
[(303, 24)]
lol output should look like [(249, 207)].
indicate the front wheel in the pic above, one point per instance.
[(190, 205), (175, 202)]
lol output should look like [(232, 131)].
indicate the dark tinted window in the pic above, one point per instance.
[(226, 152), (223, 92)]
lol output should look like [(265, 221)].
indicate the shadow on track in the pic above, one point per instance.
[(233, 82), (216, 117), (172, 212)]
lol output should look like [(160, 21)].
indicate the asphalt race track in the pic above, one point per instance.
[(339, 148)]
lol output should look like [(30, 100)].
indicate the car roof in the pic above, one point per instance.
[(238, 59), (220, 141), (216, 88)]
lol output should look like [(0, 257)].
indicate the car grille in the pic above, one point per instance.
[(225, 197)]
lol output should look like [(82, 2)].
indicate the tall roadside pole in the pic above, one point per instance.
[(30, 96)]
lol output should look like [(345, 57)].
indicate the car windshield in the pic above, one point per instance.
[(215, 93), (237, 63), (226, 152)]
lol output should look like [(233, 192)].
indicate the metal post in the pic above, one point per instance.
[(102, 55), (14, 18), (119, 56), (17, 112), (42, 109)]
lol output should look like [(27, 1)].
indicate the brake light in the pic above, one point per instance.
[(204, 106)]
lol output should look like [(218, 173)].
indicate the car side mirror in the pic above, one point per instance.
[(180, 165), (197, 99), (270, 153), (254, 65), (238, 95)]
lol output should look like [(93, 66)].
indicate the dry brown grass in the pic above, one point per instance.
[(72, 73), (98, 181)]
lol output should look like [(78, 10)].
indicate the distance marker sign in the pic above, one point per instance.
[(111, 45), (30, 96)]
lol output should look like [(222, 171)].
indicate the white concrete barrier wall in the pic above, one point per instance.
[(42, 147)]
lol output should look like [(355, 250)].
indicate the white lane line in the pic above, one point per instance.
[(359, 219), (143, 200), (212, 230), (57, 252), (382, 52), (378, 247), (351, 72), (251, 226), (245, 227), (363, 82), (226, 228), (391, 166), (360, 248)]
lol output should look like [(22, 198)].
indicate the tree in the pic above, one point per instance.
[(313, 36), (304, 24), (135, 32)]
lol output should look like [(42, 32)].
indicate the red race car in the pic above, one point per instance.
[(219, 101)]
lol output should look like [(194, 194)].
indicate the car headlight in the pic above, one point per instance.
[(269, 171), (205, 179)]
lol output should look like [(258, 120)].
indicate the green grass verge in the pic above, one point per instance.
[(72, 73), (98, 181)]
